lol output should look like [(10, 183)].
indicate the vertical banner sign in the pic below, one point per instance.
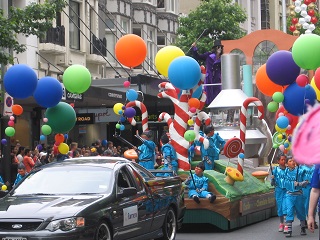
[(8, 102)]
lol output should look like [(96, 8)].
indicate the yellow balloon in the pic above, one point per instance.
[(165, 56), (117, 108), (63, 148), (190, 122), (280, 130), (314, 86), (4, 187)]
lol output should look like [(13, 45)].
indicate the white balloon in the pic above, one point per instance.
[(305, 25), (308, 31), (297, 9), (304, 7), (307, 18), (312, 27), (302, 21), (304, 13), (297, 3)]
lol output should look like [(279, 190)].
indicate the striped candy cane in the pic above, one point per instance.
[(243, 124), (144, 114)]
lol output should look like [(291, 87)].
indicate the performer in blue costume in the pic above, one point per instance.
[(278, 180), (294, 197), (169, 155), (147, 151), (216, 144), (198, 185), (213, 68), (314, 199)]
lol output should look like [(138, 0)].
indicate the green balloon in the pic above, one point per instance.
[(278, 97), (46, 129), (61, 118), (9, 131), (189, 135), (275, 145), (273, 106), (306, 51), (118, 125), (76, 79)]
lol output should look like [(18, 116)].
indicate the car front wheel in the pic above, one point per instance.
[(169, 227), (103, 232)]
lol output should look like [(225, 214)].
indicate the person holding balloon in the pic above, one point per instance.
[(147, 151), (213, 68)]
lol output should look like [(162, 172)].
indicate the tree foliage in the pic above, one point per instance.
[(34, 19), (221, 19)]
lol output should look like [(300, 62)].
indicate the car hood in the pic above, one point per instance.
[(42, 207)]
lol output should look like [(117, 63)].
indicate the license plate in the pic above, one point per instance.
[(14, 238)]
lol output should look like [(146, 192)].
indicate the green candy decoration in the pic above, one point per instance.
[(9, 131), (46, 129), (77, 79), (61, 118), (189, 135)]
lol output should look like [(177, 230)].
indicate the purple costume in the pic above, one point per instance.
[(213, 73)]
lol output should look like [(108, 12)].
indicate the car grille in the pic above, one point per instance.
[(16, 226)]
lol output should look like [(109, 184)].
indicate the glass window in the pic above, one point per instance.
[(67, 180), (110, 23), (137, 31), (160, 3), (143, 172), (74, 25), (261, 54), (161, 40), (124, 25), (110, 46)]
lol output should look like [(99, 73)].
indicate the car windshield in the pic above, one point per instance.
[(67, 180)]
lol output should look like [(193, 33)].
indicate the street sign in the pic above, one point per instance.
[(8, 102)]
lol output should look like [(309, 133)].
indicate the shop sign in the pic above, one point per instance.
[(85, 118)]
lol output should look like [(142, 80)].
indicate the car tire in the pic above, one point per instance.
[(169, 227), (103, 232)]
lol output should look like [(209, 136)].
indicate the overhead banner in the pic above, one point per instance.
[(8, 102)]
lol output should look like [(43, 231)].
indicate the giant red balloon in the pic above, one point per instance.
[(131, 50), (264, 83)]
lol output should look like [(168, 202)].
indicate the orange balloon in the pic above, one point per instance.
[(130, 154), (131, 50), (264, 84), (17, 109), (194, 102), (59, 137)]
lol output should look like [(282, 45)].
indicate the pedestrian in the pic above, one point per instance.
[(216, 144), (27, 160), (314, 199), (21, 173), (147, 151), (198, 185), (278, 181), (213, 68), (294, 198)]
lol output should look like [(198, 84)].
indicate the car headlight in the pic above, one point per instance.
[(66, 224)]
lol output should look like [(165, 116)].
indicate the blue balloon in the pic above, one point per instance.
[(122, 127), (184, 72), (42, 137), (122, 119), (282, 122), (241, 155), (197, 93), (48, 92), (281, 68), (20, 81), (295, 98), (66, 136), (104, 142), (131, 95)]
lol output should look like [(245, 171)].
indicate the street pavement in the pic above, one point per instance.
[(265, 230)]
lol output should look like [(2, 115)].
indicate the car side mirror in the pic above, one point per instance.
[(127, 192)]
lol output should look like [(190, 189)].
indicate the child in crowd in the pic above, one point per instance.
[(198, 185), (21, 173), (169, 155), (277, 180), (294, 198)]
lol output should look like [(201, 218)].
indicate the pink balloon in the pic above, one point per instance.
[(12, 118), (192, 109), (11, 123), (281, 147), (126, 84), (45, 119), (302, 80)]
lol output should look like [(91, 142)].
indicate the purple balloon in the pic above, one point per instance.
[(281, 68), (39, 146), (4, 141), (130, 112), (295, 98)]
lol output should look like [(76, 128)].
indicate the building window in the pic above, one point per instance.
[(124, 26), (261, 54), (111, 42), (160, 3), (74, 25), (110, 23), (172, 5), (161, 40), (137, 31), (151, 49)]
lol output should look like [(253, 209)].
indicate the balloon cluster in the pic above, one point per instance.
[(303, 16), (21, 82)]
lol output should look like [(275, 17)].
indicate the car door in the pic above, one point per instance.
[(129, 213)]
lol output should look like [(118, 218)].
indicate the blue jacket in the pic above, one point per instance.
[(293, 175), (147, 151), (169, 153), (215, 144), (201, 183), (279, 176)]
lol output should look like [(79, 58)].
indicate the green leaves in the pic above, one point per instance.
[(34, 19), (222, 18)]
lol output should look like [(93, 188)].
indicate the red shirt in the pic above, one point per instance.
[(28, 163)]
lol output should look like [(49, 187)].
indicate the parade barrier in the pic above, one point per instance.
[(237, 205)]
